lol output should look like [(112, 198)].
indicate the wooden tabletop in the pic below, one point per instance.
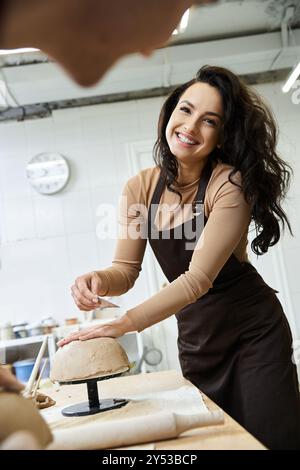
[(229, 435)]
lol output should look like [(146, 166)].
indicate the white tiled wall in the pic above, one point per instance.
[(47, 241)]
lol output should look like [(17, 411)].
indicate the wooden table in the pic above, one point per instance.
[(229, 435)]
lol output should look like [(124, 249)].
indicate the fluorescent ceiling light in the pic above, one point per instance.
[(291, 80), (183, 23), (17, 51)]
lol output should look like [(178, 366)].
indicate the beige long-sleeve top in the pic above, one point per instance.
[(224, 233)]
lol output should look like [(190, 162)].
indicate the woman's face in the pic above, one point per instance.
[(194, 128)]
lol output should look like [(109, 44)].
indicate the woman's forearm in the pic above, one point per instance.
[(119, 278)]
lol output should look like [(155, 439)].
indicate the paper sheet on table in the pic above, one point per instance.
[(183, 400)]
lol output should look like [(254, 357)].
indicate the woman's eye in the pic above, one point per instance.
[(211, 122), (184, 109)]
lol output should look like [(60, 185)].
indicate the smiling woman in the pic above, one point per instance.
[(215, 155), (194, 129)]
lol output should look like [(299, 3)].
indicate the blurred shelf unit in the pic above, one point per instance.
[(12, 350)]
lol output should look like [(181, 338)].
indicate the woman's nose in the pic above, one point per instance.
[(191, 127)]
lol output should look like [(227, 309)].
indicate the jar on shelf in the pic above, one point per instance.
[(48, 325), (20, 331), (34, 329), (6, 331)]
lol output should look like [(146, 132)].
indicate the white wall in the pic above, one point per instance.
[(47, 241)]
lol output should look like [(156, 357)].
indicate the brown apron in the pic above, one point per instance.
[(234, 342)]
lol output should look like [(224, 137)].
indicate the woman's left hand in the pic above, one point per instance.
[(9, 382), (113, 329)]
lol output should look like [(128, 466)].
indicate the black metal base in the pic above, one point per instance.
[(85, 408)]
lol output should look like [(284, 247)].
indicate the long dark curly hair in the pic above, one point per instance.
[(248, 143)]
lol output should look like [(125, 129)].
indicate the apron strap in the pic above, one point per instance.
[(199, 198)]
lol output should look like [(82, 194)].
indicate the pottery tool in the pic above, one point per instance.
[(40, 376), (105, 303), (36, 367)]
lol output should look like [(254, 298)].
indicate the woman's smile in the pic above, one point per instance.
[(185, 139)]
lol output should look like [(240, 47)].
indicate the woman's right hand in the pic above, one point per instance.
[(86, 288)]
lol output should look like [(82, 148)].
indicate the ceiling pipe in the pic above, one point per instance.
[(289, 13)]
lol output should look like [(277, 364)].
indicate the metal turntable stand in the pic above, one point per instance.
[(94, 404)]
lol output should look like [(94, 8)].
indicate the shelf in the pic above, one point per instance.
[(21, 341)]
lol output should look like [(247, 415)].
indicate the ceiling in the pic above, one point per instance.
[(232, 18), (211, 36)]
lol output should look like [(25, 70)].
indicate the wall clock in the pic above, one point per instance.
[(48, 173)]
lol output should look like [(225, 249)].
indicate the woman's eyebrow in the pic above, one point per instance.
[(212, 113)]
